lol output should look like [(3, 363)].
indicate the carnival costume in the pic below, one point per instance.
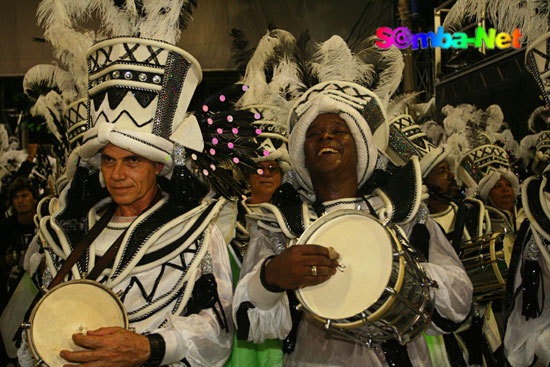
[(171, 269), (260, 313)]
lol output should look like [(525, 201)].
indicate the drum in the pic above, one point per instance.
[(485, 261), (72, 307), (379, 292)]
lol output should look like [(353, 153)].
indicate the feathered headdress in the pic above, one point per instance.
[(530, 17), (289, 74)]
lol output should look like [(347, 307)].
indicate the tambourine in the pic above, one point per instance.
[(71, 307)]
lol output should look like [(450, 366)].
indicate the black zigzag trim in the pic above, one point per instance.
[(150, 257)]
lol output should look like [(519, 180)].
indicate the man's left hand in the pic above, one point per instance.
[(109, 347)]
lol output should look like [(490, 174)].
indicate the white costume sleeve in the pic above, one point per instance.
[(524, 337), (453, 296), (199, 338), (267, 313)]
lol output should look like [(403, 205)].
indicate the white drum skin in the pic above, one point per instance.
[(69, 308)]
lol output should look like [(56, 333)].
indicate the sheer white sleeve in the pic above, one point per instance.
[(453, 295), (199, 338), (259, 313)]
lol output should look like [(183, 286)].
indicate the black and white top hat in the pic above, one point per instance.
[(537, 61), (407, 139), (359, 107), (139, 92), (75, 117), (482, 167)]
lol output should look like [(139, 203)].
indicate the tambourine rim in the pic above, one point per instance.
[(400, 276), (29, 331)]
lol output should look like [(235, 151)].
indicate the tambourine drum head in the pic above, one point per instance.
[(67, 310), (365, 251)]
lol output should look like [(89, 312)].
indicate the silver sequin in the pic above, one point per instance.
[(179, 155), (532, 249), (116, 74), (142, 77), (156, 79), (206, 264), (382, 163), (277, 241), (128, 75)]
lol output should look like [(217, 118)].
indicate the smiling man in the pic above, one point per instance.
[(336, 129)]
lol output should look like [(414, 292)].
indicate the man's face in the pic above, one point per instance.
[(329, 146), (129, 178), (265, 184), (24, 202), (442, 179), (502, 195)]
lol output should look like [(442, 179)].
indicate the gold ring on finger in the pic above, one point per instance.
[(314, 270)]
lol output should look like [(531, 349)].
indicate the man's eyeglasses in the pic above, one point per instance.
[(272, 169)]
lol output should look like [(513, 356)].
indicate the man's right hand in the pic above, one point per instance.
[(293, 267)]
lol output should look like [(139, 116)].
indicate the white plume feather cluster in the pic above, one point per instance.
[(400, 104), (4, 138), (435, 132), (50, 77), (161, 20), (118, 20), (527, 147), (70, 43), (538, 120), (50, 106), (530, 17), (255, 78), (12, 159), (494, 119), (389, 79), (335, 61), (466, 127)]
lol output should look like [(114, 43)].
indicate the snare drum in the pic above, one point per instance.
[(379, 292), (485, 261), (72, 307)]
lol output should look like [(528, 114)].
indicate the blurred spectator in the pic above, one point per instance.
[(17, 231)]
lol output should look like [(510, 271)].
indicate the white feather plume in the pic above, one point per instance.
[(255, 77), (538, 120), (527, 147), (50, 107), (50, 77), (400, 104), (60, 19), (4, 138), (530, 17), (335, 61), (118, 20), (494, 119), (161, 20), (434, 132)]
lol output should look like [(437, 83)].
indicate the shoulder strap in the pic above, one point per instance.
[(83, 246)]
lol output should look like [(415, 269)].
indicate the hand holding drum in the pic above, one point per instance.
[(300, 266)]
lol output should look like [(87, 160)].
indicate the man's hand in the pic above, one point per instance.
[(109, 347), (293, 267)]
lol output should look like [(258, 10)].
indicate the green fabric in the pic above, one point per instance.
[(247, 354), (438, 353)]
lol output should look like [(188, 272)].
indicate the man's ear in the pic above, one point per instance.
[(158, 168)]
